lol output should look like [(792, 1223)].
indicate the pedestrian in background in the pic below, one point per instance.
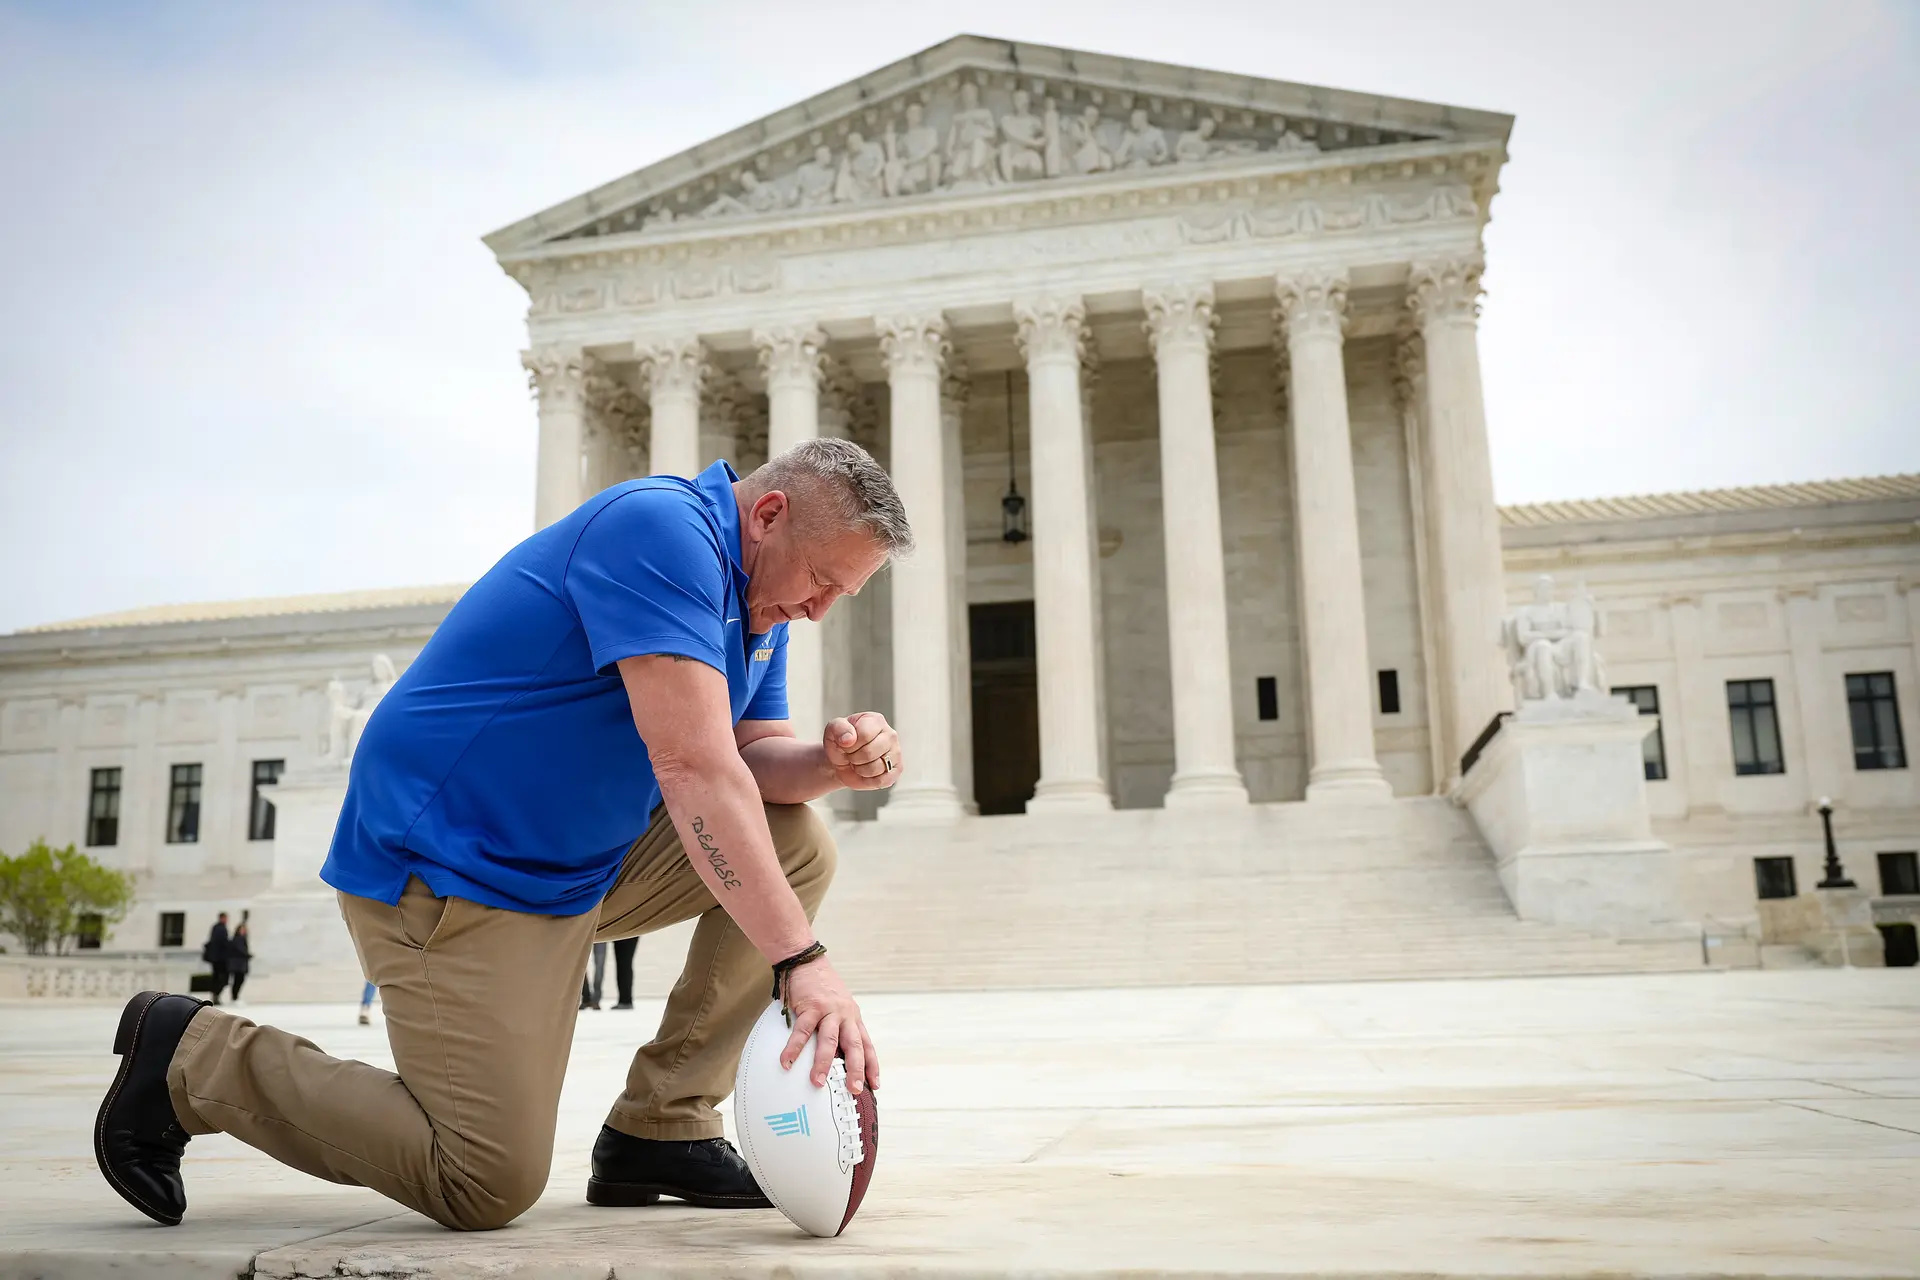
[(239, 956), (215, 954), (366, 1004)]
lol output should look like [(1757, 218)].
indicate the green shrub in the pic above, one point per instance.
[(45, 891)]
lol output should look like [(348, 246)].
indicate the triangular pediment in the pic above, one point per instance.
[(974, 115)]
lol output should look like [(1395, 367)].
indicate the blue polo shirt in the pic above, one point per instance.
[(504, 766)]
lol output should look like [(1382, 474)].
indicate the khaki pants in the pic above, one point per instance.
[(480, 1006)]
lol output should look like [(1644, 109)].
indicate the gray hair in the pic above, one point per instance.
[(859, 492)]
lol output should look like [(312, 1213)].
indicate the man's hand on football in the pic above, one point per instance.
[(863, 751), (821, 1002)]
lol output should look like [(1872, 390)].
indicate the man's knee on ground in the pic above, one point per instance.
[(805, 845), (491, 1200)]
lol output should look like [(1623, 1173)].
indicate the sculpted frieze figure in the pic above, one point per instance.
[(1086, 153), (863, 171), (913, 156), (1022, 151), (1143, 145), (970, 142), (1549, 643), (817, 178)]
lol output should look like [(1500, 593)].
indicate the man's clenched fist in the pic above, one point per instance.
[(863, 751)]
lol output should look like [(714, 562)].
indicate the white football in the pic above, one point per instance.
[(810, 1149)]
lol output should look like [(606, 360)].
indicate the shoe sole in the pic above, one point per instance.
[(630, 1195), (125, 1039)]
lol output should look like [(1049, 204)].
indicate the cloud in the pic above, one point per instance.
[(251, 343)]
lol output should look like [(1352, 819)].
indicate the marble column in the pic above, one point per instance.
[(1464, 549), (849, 624), (675, 373), (791, 359), (72, 795), (953, 409), (1825, 741), (1333, 612), (1409, 393), (916, 350), (558, 377), (1180, 328), (1052, 337)]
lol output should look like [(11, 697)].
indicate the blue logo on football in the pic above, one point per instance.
[(789, 1124)]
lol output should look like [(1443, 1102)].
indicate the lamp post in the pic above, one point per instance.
[(1836, 875)]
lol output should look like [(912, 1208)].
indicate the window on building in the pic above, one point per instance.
[(1653, 747), (173, 928), (1756, 727), (1389, 693), (1876, 722), (1899, 873), (1773, 877), (103, 808), (88, 928), (183, 805), (1268, 690), (260, 814)]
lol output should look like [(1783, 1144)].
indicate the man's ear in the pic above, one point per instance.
[(766, 511)]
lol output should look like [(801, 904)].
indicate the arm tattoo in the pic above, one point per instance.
[(712, 851)]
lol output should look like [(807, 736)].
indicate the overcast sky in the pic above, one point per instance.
[(250, 343)]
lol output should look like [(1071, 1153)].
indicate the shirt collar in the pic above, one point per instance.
[(715, 486)]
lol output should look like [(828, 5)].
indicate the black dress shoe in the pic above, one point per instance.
[(137, 1139), (632, 1171)]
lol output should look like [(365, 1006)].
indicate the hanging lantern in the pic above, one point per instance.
[(1013, 507)]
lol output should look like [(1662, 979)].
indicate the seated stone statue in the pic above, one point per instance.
[(347, 718), (1550, 650)]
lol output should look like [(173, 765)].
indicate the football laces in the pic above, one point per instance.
[(846, 1117)]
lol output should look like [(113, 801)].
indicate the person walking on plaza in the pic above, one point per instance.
[(595, 982), (214, 953), (623, 949), (593, 745), (239, 956), (366, 1003)]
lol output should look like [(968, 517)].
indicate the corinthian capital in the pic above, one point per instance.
[(679, 365), (1446, 289), (791, 356), (914, 344), (557, 375), (1180, 315), (1312, 303), (1051, 329)]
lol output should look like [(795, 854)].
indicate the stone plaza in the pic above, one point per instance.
[(1731, 1124)]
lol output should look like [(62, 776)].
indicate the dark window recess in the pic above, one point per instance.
[(173, 928), (260, 810), (183, 805), (103, 808), (1876, 722), (88, 928), (1653, 747), (1756, 727), (1773, 877), (1902, 945), (1389, 693), (1899, 873), (1267, 689)]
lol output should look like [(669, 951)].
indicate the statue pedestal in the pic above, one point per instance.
[(1560, 796), (301, 951)]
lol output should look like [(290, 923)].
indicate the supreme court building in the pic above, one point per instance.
[(1178, 375)]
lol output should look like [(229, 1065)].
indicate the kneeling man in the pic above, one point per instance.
[(622, 671)]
